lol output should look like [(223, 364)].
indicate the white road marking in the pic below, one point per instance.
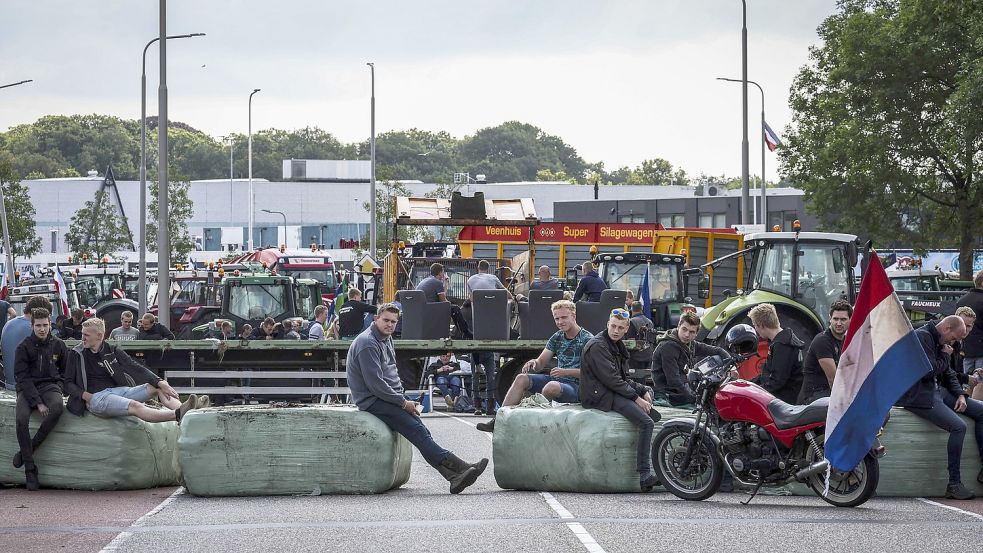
[(462, 421), (578, 530), (950, 507), (124, 535)]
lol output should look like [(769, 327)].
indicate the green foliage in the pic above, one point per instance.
[(104, 226), (658, 172), (179, 209), (20, 214), (515, 151), (547, 175), (887, 133)]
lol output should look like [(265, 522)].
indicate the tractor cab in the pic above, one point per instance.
[(629, 271)]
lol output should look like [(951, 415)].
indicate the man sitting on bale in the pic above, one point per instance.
[(562, 383), (40, 365), (675, 355), (103, 378), (604, 385), (376, 388)]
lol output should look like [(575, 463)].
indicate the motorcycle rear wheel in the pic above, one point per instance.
[(705, 469), (848, 489)]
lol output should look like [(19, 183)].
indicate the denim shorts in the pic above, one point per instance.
[(569, 393), (970, 364), (114, 402)]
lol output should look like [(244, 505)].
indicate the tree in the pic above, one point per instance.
[(515, 151), (20, 214), (657, 172), (547, 175), (887, 135), (179, 209), (109, 234)]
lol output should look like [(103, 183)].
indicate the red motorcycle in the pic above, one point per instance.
[(759, 439)]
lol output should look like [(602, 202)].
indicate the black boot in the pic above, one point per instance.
[(459, 473), (648, 481), (488, 426), (31, 473), (18, 460)]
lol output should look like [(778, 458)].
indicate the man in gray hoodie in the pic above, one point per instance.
[(376, 388)]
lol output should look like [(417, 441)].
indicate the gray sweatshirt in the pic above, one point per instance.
[(372, 371)]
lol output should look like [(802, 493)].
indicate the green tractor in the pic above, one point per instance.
[(800, 273), (626, 271), (250, 298)]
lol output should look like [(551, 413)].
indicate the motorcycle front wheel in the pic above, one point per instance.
[(848, 489), (702, 477)]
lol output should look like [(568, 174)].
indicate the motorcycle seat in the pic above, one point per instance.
[(789, 416)]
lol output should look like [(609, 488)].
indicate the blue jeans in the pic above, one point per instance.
[(487, 360), (450, 386), (568, 392), (411, 428), (942, 415)]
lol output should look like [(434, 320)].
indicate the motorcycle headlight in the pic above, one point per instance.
[(694, 377)]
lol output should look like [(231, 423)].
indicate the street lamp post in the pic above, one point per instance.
[(745, 162), (163, 228), (142, 281), (250, 202), (282, 214), (373, 231), (8, 247), (764, 187)]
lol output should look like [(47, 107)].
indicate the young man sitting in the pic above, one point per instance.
[(562, 383), (39, 367), (449, 386), (103, 379), (604, 385)]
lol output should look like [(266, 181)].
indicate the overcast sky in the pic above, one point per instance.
[(619, 80)]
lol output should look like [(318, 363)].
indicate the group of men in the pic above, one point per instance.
[(97, 377)]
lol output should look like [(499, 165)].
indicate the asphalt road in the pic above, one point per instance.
[(422, 515)]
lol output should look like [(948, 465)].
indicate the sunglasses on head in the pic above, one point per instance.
[(620, 313)]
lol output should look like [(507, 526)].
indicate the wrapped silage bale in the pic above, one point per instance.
[(92, 453), (289, 450), (568, 449)]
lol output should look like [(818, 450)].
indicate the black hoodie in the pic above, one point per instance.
[(672, 360), (39, 363), (782, 373)]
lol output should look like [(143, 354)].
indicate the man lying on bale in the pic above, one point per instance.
[(103, 378), (376, 388), (604, 385)]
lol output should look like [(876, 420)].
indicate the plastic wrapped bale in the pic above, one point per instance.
[(568, 449), (92, 453), (916, 459), (270, 450)]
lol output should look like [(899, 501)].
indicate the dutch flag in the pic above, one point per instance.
[(882, 358), (62, 291), (771, 139)]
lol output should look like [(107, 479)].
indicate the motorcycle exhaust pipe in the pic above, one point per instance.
[(812, 470)]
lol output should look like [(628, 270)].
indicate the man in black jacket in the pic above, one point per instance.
[(104, 378), (71, 328), (604, 385), (972, 346), (782, 373), (937, 397), (676, 353), (150, 329), (39, 368)]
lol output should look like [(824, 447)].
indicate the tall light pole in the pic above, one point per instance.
[(163, 238), (142, 281), (282, 214), (232, 143), (745, 162), (8, 247), (764, 187), (373, 232), (250, 202)]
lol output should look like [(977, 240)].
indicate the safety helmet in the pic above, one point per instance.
[(741, 340)]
